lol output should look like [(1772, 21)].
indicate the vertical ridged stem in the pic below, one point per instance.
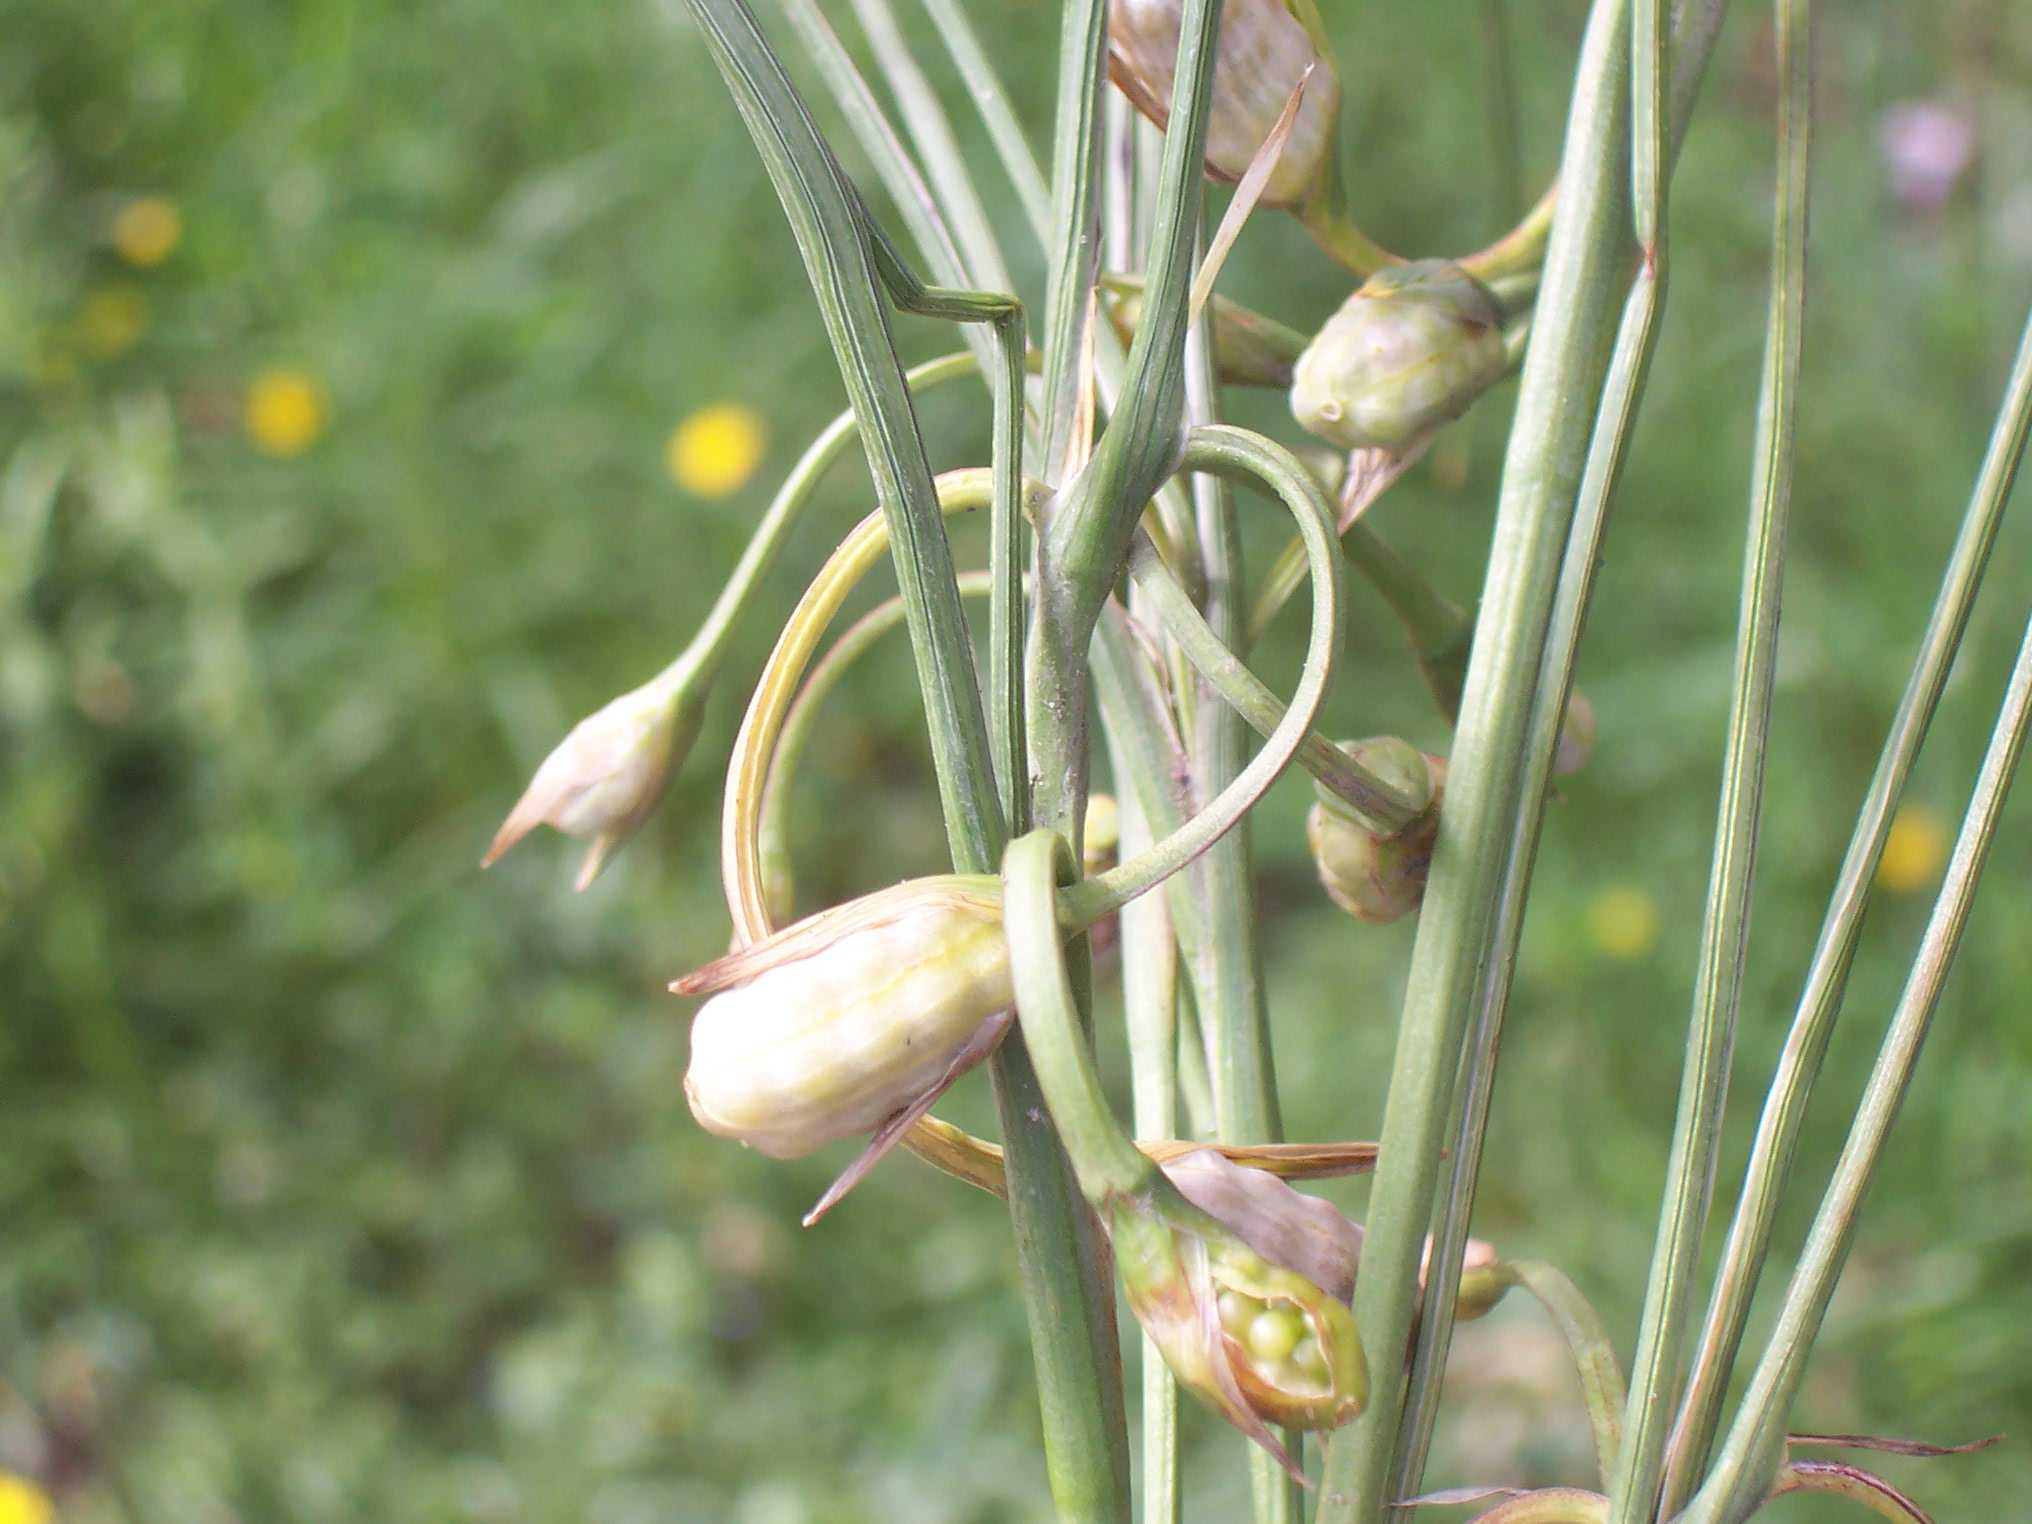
[(1778, 1129), (1227, 965), (1743, 1470), (1628, 368), (1548, 447), (1657, 1368), (1068, 1297)]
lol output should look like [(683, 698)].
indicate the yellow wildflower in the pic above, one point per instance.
[(112, 320), (147, 230), (715, 450), (22, 1502), (286, 411), (1914, 852), (1623, 922)]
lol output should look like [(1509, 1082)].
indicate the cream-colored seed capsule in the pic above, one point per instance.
[(1262, 54), (835, 1025)]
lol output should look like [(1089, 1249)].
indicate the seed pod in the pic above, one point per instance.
[(605, 778), (1258, 1342), (1262, 53), (1409, 351), (1249, 348), (1374, 875), (1481, 1284), (1287, 1227), (835, 1024)]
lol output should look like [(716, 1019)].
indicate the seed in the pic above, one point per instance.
[(1274, 1333)]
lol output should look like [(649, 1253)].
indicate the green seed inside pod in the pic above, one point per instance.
[(1274, 1333), (1238, 1312), (1310, 1358)]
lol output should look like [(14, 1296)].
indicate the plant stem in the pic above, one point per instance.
[(1547, 451), (1071, 1310), (1107, 1163), (1227, 969), (1696, 1143), (1742, 1472), (1771, 1157)]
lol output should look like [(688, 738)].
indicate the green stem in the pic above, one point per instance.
[(1086, 541), (772, 831), (1107, 1163), (708, 648), (1696, 1143), (1246, 697), (1772, 1155), (1236, 452), (1227, 969), (1149, 964), (931, 131), (1547, 451), (1071, 1310), (1616, 422), (1594, 1356), (1742, 1472), (837, 258), (971, 59)]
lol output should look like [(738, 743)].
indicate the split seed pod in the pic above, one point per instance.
[(1375, 875), (1258, 1342), (833, 1025), (1285, 1226), (1262, 53), (1409, 351)]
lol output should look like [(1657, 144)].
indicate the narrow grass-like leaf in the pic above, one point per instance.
[(1770, 1164), (1757, 1436), (1657, 1369), (931, 131), (971, 59)]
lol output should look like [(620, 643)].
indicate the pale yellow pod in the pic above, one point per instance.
[(842, 1020), (1262, 54)]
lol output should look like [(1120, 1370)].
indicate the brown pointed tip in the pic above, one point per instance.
[(520, 822)]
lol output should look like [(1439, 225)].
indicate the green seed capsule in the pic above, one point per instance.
[(842, 1020), (1374, 876), (1409, 351)]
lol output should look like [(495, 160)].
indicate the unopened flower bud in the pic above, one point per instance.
[(1262, 54), (1373, 874), (833, 1025), (1409, 351), (1260, 1343), (604, 779)]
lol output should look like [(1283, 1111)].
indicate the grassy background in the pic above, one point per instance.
[(339, 1182)]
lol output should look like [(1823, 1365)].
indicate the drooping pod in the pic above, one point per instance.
[(1375, 875), (1259, 1342), (605, 778), (833, 1025), (1409, 351), (1262, 53), (1285, 1226)]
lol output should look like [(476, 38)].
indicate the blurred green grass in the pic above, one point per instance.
[(338, 1182)]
